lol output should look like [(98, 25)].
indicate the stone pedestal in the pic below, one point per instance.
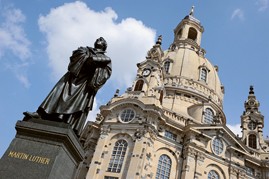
[(42, 149)]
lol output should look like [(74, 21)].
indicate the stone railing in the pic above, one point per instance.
[(195, 86)]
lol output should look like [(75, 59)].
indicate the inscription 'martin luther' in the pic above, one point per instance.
[(32, 158)]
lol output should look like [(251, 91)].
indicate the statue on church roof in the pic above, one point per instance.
[(191, 10), (72, 97)]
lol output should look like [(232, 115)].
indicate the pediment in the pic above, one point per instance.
[(231, 140)]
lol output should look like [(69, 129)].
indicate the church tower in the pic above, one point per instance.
[(252, 123), (170, 123)]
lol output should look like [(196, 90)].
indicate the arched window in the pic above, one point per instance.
[(164, 167), (166, 67), (203, 75), (252, 141), (117, 157), (139, 85), (192, 34), (213, 175), (208, 118)]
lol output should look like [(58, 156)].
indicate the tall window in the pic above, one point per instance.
[(164, 167), (117, 157), (213, 175), (208, 118), (139, 85), (203, 75), (166, 67), (252, 142)]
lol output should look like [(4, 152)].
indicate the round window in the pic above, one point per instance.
[(252, 126), (127, 115), (217, 146)]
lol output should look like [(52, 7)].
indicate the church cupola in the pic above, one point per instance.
[(252, 105), (189, 29)]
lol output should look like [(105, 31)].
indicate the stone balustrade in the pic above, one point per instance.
[(195, 86)]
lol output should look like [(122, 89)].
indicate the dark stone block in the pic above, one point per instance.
[(42, 149)]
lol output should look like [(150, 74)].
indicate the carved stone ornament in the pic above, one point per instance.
[(189, 152), (200, 163), (104, 131), (99, 117), (217, 118), (200, 156), (140, 133), (191, 160), (153, 53)]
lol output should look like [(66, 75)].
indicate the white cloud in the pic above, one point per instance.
[(239, 13), (235, 129), (13, 39), (74, 24), (264, 5)]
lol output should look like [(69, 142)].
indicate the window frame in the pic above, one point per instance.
[(162, 169), (139, 85), (214, 172), (252, 141), (203, 68), (115, 153), (166, 69), (250, 170), (122, 111), (203, 75), (170, 135), (213, 148), (208, 117), (170, 61)]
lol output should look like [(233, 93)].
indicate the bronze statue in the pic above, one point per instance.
[(72, 97)]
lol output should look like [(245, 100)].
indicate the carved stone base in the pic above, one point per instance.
[(42, 149)]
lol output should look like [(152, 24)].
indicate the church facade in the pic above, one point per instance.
[(170, 124)]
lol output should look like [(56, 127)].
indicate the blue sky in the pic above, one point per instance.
[(37, 38)]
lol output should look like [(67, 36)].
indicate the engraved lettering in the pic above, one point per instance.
[(32, 158), (11, 153), (25, 156), (47, 161), (42, 160)]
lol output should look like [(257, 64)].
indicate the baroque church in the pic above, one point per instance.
[(170, 124)]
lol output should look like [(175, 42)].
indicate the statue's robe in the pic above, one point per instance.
[(72, 97)]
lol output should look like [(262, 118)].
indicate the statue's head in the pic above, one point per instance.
[(100, 43)]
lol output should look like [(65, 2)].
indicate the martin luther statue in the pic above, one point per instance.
[(72, 97)]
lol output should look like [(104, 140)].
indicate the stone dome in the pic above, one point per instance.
[(191, 81)]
